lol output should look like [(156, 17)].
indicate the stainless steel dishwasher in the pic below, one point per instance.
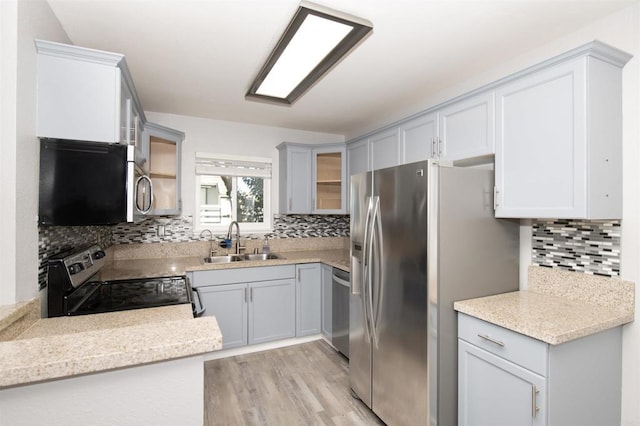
[(340, 311)]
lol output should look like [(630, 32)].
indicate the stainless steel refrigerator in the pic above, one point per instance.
[(423, 235)]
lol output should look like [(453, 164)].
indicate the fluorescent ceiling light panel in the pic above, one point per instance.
[(316, 39)]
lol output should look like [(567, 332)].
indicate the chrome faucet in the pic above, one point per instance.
[(238, 246), (212, 250), (210, 233)]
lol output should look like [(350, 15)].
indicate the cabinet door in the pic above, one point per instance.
[(298, 180), (358, 157), (493, 391), (540, 150), (77, 99), (163, 148), (228, 303), (272, 310), (308, 295), (467, 128), (327, 301), (384, 149), (418, 138), (329, 180)]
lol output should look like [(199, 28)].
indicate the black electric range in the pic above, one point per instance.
[(73, 290)]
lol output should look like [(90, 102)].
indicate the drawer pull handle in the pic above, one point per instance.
[(485, 337)]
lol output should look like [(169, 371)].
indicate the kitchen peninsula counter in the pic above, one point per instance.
[(559, 306), (55, 348)]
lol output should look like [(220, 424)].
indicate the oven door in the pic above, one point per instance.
[(139, 193)]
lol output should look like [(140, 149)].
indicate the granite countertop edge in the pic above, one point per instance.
[(504, 310), (36, 359)]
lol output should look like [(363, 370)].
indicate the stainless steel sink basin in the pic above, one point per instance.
[(261, 256), (224, 259), (239, 257)]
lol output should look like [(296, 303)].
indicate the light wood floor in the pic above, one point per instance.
[(306, 384)]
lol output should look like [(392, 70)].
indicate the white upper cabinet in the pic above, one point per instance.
[(466, 128), (312, 178), (418, 138), (86, 94), (384, 149), (163, 149), (559, 138), (329, 189), (461, 130), (358, 157), (295, 179)]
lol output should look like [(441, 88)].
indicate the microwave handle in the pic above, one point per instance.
[(148, 209)]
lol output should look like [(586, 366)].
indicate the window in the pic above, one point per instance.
[(232, 188)]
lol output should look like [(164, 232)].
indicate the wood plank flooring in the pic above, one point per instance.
[(306, 384)]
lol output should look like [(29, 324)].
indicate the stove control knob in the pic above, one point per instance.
[(75, 268), (99, 254)]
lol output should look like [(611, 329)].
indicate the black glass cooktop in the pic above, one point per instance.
[(110, 296)]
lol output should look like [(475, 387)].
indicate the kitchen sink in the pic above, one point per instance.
[(224, 259), (239, 257), (261, 256)]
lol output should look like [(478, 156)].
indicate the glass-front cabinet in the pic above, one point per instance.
[(312, 178), (163, 147), (329, 183)]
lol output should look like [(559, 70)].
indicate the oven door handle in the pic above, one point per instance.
[(198, 312)]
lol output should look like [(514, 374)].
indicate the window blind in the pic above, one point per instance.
[(219, 165)]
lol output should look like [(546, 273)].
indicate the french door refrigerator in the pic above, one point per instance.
[(423, 235)]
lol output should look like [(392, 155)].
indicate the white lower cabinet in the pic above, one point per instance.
[(251, 305), (308, 298), (508, 379), (228, 303), (271, 310), (494, 391)]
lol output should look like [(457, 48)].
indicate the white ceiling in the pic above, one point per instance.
[(199, 57)]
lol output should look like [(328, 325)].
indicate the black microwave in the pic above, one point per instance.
[(91, 183)]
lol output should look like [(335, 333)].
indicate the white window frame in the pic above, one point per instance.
[(245, 227)]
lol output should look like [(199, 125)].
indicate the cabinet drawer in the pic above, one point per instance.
[(515, 347), (243, 275)]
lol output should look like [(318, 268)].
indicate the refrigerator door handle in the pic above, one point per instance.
[(379, 288), (373, 281), (366, 262)]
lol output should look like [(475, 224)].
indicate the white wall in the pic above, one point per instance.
[(22, 22), (232, 138)]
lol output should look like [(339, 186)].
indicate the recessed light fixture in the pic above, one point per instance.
[(316, 39)]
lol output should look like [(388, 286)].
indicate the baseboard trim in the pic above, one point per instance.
[(225, 353)]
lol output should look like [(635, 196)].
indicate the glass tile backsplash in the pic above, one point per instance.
[(592, 247), (54, 239)]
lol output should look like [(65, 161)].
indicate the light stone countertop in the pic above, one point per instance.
[(558, 307), (34, 349), (62, 347), (158, 267)]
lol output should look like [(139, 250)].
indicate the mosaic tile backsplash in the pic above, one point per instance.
[(54, 239), (592, 247), (306, 226)]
